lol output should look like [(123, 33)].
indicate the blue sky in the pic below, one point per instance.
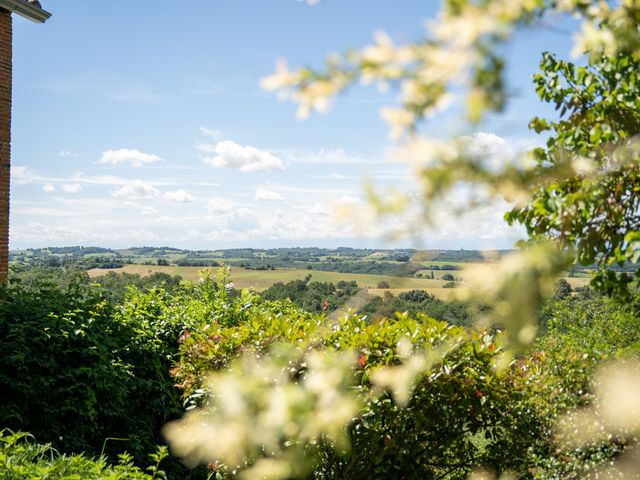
[(138, 122)]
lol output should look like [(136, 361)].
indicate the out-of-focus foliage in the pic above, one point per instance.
[(23, 459), (611, 421), (419, 417), (509, 292), (460, 49), (601, 331)]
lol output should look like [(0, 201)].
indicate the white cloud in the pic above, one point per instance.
[(136, 189), (43, 211), (267, 195), (68, 153), (22, 175), (192, 234), (71, 188), (133, 157), (219, 205), (179, 196), (215, 134), (149, 211), (351, 200), (36, 231), (484, 224), (245, 159), (121, 211), (100, 179), (492, 150), (336, 156)]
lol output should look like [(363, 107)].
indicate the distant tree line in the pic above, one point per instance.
[(314, 297), (415, 302)]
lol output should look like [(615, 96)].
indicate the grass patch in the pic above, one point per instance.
[(262, 279)]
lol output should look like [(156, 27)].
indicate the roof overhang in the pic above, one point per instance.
[(25, 9)]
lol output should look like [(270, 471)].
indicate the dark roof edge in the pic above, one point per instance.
[(30, 11)]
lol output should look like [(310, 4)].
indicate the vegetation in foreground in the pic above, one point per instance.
[(92, 377), (21, 458)]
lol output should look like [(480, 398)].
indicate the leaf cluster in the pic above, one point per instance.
[(23, 459), (592, 208), (75, 370)]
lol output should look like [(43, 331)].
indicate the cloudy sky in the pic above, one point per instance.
[(141, 122)]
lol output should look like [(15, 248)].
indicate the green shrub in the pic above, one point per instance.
[(115, 286), (463, 411), (74, 370), (23, 459), (593, 324)]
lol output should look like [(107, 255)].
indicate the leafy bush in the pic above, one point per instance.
[(114, 286), (594, 325), (463, 411), (563, 288), (74, 370), (23, 459)]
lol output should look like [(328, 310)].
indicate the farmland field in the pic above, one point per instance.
[(262, 279)]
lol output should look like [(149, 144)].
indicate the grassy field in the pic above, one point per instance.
[(442, 264), (262, 279), (577, 281)]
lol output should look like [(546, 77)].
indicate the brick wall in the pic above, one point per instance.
[(5, 137)]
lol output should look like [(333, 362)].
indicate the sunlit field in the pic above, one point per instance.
[(262, 279)]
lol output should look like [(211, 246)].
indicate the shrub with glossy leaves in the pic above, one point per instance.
[(75, 371), (456, 409)]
